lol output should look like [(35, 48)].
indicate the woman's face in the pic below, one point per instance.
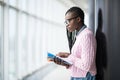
[(71, 21)]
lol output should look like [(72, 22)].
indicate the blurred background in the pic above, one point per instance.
[(31, 28)]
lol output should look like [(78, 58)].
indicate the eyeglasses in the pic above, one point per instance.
[(67, 21)]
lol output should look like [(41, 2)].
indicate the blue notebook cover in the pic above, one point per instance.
[(52, 56)]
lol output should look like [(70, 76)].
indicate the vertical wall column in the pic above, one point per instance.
[(91, 14)]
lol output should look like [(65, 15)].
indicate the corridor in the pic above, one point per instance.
[(29, 29), (60, 73)]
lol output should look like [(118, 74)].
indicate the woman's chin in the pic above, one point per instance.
[(69, 30)]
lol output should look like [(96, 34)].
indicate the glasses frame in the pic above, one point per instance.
[(67, 21)]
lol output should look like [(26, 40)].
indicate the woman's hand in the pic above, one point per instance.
[(63, 54)]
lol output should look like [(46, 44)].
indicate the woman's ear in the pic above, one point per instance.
[(78, 19)]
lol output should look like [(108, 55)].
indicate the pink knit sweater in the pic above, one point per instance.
[(83, 54)]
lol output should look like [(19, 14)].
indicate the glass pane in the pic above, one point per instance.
[(31, 43), (13, 2), (23, 4), (0, 22), (31, 6), (0, 44), (45, 9), (12, 45), (38, 8), (22, 45), (6, 1), (38, 43)]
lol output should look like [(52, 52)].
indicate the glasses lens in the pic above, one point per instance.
[(67, 22)]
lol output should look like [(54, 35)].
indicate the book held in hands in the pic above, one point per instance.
[(51, 57)]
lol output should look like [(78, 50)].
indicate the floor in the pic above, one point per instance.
[(60, 73)]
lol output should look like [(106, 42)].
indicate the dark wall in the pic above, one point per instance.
[(114, 38), (108, 20)]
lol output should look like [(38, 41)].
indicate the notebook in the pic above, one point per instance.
[(51, 56)]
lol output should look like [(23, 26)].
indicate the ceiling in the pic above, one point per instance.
[(81, 3)]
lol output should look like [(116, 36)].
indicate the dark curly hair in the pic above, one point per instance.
[(77, 11)]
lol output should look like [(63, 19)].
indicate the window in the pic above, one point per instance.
[(22, 45), (12, 45), (31, 43), (1, 45), (38, 42), (30, 28), (31, 6), (13, 2), (23, 5)]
